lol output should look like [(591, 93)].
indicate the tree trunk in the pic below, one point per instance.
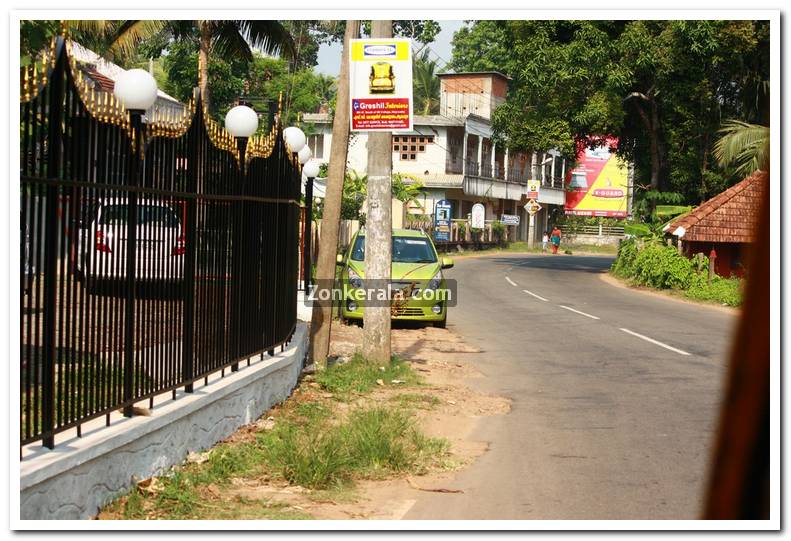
[(203, 64), (321, 320), (378, 234)]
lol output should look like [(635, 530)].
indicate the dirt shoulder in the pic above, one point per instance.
[(673, 296), (449, 409), (441, 405)]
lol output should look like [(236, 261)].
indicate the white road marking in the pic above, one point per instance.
[(511, 281), (536, 296), (578, 312), (657, 342)]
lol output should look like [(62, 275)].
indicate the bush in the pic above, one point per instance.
[(651, 263), (722, 290), (661, 266), (624, 262), (498, 231)]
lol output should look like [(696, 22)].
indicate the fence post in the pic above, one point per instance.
[(191, 245), (54, 139), (135, 158)]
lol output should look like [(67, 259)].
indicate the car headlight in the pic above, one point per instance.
[(354, 279), (433, 284)]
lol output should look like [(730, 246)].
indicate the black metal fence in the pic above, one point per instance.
[(154, 251)]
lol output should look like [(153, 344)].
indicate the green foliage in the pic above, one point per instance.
[(572, 79), (661, 266), (654, 264), (623, 265), (743, 145), (728, 291), (638, 230), (498, 230), (426, 84), (33, 37)]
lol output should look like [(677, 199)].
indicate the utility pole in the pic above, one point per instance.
[(378, 233), (321, 320)]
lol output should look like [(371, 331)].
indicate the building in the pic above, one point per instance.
[(103, 73), (453, 156), (726, 223)]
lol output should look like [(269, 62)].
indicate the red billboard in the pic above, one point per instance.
[(599, 184)]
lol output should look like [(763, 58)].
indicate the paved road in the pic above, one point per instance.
[(615, 394)]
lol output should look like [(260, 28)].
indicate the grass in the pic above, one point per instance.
[(372, 443), (312, 444), (415, 400), (358, 376)]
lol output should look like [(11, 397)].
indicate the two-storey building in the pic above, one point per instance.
[(453, 156)]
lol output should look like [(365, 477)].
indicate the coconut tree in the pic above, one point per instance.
[(743, 145), (425, 84), (229, 38)]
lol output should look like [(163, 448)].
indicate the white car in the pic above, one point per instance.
[(160, 242)]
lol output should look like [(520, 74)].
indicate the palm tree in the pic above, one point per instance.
[(426, 84), (225, 37), (743, 145), (327, 87)]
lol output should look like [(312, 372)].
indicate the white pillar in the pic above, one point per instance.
[(505, 164), (553, 171), (493, 160), (464, 154), (532, 165), (480, 154)]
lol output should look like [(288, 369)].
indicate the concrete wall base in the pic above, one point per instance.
[(78, 476), (596, 240)]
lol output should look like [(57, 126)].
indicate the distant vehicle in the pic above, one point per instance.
[(416, 269), (381, 80), (103, 243)]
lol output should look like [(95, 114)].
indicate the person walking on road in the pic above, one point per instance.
[(544, 241), (555, 239)]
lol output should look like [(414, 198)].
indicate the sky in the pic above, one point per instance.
[(330, 55)]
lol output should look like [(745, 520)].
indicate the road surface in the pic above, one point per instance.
[(615, 394)]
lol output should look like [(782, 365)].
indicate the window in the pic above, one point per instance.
[(408, 146), (316, 144)]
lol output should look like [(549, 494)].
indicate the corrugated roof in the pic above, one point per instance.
[(731, 216)]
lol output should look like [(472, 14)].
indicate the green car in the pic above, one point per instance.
[(418, 287)]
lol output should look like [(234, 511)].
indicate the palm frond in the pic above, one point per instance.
[(227, 40), (744, 146), (270, 37), (129, 33)]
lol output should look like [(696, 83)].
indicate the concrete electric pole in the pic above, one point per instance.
[(378, 232)]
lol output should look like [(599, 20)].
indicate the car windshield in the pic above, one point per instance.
[(405, 250), (146, 215)]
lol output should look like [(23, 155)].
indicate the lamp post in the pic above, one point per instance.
[(310, 170), (241, 122), (297, 143), (137, 90)]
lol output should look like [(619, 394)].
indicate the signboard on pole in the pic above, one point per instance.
[(532, 207), (599, 185), (533, 187), (380, 84), (510, 219), (478, 219), (442, 221)]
